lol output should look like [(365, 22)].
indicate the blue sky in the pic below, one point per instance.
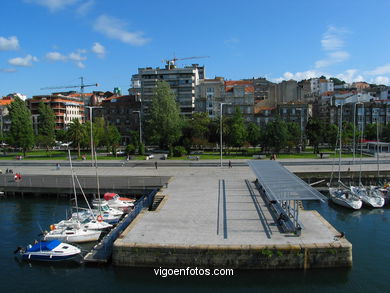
[(54, 42)]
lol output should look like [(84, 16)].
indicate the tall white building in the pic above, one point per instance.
[(320, 86), (181, 80)]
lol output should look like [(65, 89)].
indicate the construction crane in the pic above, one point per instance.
[(81, 86), (171, 62)]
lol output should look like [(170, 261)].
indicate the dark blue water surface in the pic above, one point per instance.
[(368, 230)]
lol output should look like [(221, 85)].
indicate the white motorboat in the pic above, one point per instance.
[(345, 198), (87, 223), (117, 202), (73, 235), (104, 213), (53, 250)]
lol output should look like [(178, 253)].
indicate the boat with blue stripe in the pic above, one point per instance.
[(53, 250)]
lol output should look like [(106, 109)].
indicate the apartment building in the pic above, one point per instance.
[(239, 94), (209, 95), (65, 108), (181, 80), (122, 112)]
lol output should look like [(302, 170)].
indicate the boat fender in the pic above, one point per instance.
[(99, 218)]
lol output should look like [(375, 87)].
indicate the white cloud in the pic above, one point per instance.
[(76, 56), (12, 43), (85, 7), (299, 75), (380, 70), (333, 38), (381, 80), (350, 75), (80, 64), (333, 57), (99, 49), (55, 56), (7, 70), (333, 43), (25, 62), (53, 5), (115, 29)]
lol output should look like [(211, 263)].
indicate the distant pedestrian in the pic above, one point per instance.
[(58, 166), (230, 164), (155, 164)]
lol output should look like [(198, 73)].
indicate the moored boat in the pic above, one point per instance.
[(345, 198), (73, 235), (53, 250)]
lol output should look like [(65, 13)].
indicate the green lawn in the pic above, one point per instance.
[(62, 155), (281, 156)]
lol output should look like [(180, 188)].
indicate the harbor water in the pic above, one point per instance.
[(21, 220)]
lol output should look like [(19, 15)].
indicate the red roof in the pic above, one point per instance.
[(238, 82), (6, 101)]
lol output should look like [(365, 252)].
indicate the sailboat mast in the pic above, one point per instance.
[(377, 147), (340, 133), (361, 145), (74, 184)]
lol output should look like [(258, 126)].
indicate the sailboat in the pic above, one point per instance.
[(73, 233), (342, 195), (370, 197)]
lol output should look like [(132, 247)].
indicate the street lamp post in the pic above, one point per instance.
[(220, 124), (90, 119), (140, 126), (354, 130)]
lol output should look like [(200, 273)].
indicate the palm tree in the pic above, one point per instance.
[(76, 133)]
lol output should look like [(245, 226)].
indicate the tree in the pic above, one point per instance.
[(236, 130), (370, 131), (164, 123), (113, 138), (46, 126), (98, 131), (314, 132), (253, 133), (337, 81), (21, 133), (294, 135), (347, 135), (331, 134), (386, 133), (77, 134), (195, 130), (276, 135)]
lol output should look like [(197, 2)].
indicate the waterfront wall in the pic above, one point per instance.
[(280, 256), (237, 257)]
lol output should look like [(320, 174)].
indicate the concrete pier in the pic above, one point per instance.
[(210, 219)]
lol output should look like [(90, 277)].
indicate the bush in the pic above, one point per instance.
[(179, 151), (130, 149)]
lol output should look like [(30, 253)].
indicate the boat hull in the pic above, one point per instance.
[(86, 237), (343, 201), (51, 257)]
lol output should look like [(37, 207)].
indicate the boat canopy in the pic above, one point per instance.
[(110, 195), (44, 245)]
